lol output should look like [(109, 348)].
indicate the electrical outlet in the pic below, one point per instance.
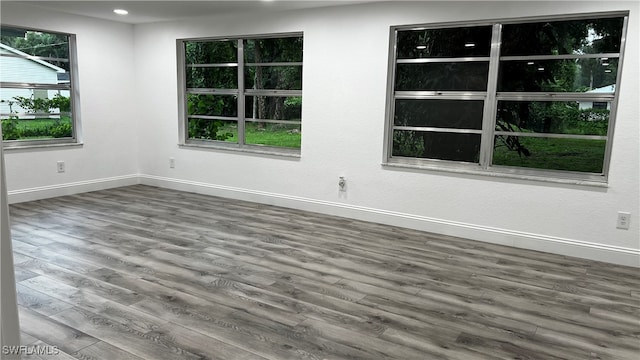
[(342, 183), (623, 220), (172, 163), (61, 167)]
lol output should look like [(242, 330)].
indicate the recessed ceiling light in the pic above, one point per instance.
[(541, 69), (530, 63), (421, 47), (121, 11), (469, 45)]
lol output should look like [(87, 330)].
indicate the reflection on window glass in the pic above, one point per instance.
[(456, 42), (549, 153), (435, 145), (211, 52), (590, 36), (212, 77), (569, 75), (273, 107), (461, 114), (469, 76), (570, 117), (286, 49), (208, 129), (212, 105), (273, 77)]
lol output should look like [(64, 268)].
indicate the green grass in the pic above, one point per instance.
[(555, 154), (280, 135)]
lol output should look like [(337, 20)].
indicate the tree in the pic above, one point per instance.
[(47, 45)]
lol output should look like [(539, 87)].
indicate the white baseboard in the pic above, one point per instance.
[(556, 245), (45, 192)]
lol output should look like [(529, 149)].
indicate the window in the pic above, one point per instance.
[(526, 98), (38, 90), (243, 93)]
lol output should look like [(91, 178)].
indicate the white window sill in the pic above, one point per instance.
[(18, 147), (286, 153), (502, 174)]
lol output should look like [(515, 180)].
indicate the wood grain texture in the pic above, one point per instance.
[(146, 273)]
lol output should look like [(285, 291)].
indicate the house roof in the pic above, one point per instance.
[(31, 58), (605, 89)]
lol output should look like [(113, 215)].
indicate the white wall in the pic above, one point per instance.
[(344, 87), (108, 111)]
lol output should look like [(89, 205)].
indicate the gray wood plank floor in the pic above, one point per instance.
[(147, 273)]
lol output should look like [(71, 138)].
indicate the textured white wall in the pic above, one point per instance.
[(108, 105), (344, 87)]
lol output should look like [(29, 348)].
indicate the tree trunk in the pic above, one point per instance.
[(257, 84)]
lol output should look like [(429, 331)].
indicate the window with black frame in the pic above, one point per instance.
[(38, 94), (243, 92), (533, 97)]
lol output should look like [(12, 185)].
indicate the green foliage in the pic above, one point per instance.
[(38, 43), (61, 129), (23, 129), (208, 130), (219, 52), (45, 105), (10, 130)]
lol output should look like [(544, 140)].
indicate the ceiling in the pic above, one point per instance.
[(153, 11)]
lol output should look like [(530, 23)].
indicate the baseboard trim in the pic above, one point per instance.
[(556, 245), (51, 191)]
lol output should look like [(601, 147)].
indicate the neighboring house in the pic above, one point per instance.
[(609, 89), (17, 66)]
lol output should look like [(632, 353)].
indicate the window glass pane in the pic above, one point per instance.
[(549, 153), (281, 135), (31, 114), (37, 127), (460, 114), (211, 52), (456, 42), (52, 51), (579, 75), (461, 76), (35, 57), (273, 77), (433, 145), (273, 107), (287, 49), (590, 36), (570, 117), (212, 105), (207, 129), (42, 44), (212, 77)]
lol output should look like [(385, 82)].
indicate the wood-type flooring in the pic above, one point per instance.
[(142, 272)]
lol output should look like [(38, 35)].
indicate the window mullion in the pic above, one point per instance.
[(490, 103), (241, 93)]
